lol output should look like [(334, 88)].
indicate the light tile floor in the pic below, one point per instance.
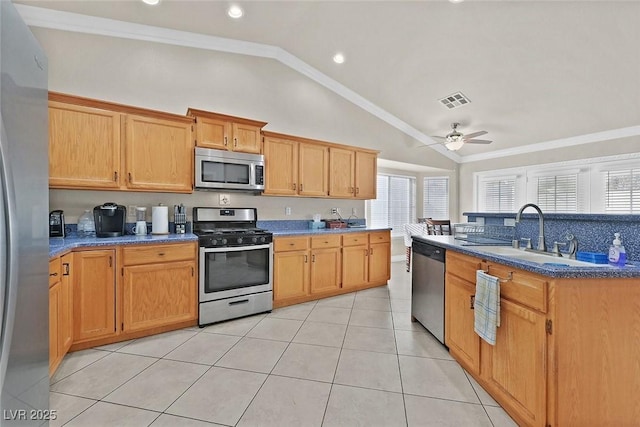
[(350, 360)]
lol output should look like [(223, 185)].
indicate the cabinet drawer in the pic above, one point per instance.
[(523, 288), (380, 237), (283, 244), (332, 241), (463, 266), (355, 239), (158, 253), (54, 271)]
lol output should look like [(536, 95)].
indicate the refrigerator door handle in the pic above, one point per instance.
[(9, 261)]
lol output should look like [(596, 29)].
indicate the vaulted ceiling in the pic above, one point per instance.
[(539, 74)]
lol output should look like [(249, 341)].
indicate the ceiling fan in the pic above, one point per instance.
[(455, 139)]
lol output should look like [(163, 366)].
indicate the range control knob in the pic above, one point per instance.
[(263, 239), (254, 240), (239, 240), (214, 242), (224, 241)]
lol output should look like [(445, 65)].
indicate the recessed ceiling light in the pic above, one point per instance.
[(151, 2), (235, 11), (338, 58)]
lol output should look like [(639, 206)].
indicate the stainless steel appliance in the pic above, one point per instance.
[(228, 170), (236, 264), (24, 209), (110, 219), (56, 223), (427, 287)]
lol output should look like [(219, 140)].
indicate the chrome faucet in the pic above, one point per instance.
[(541, 246)]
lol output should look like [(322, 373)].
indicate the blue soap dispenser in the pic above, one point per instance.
[(617, 254)]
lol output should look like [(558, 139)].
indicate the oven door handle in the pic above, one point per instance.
[(234, 248)]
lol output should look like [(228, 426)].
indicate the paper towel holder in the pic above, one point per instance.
[(160, 219)]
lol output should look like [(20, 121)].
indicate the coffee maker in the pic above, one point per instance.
[(110, 219), (56, 224)]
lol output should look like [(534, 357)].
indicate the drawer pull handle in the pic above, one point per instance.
[(160, 253), (242, 301), (53, 274), (472, 299)]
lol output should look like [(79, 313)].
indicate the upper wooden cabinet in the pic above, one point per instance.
[(106, 146), (224, 132), (353, 173), (295, 166)]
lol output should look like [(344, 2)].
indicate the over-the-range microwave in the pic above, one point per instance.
[(228, 170)]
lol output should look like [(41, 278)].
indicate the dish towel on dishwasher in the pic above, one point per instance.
[(486, 306)]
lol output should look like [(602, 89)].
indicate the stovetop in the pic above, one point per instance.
[(223, 227)]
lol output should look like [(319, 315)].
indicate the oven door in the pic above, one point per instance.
[(235, 271)]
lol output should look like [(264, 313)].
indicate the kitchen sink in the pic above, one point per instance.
[(537, 257)]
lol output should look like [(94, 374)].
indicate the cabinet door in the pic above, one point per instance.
[(94, 295), (213, 133), (65, 324), (246, 138), (313, 170), (379, 262), (341, 172), (463, 342), (158, 295), (325, 270), (84, 147), (281, 164), (366, 175), (516, 364), (54, 315), (355, 262), (290, 275), (159, 155)]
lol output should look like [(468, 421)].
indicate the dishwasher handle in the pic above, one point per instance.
[(434, 252)]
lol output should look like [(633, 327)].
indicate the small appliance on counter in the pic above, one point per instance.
[(141, 221), (56, 224), (180, 218), (109, 219)]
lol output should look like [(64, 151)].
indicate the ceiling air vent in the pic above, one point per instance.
[(455, 100)]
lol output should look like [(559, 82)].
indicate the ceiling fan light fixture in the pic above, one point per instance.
[(454, 144), (235, 11), (338, 58), (151, 2)]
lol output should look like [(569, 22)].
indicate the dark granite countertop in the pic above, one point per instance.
[(631, 270), (60, 245)]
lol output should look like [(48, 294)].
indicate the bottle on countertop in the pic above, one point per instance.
[(86, 225), (617, 254)]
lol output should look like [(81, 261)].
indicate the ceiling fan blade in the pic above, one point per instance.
[(440, 138), (474, 134), (478, 141)]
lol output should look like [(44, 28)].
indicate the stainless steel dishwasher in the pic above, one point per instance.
[(427, 287)]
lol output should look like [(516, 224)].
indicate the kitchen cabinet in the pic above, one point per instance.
[(295, 166), (312, 267), (65, 323), (224, 132), (60, 310), (563, 354), (352, 173), (94, 295), (159, 286), (366, 258), (105, 146)]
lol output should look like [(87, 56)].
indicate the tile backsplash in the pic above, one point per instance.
[(594, 232)]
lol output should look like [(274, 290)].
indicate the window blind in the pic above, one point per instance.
[(558, 193), (622, 191), (498, 195), (395, 204), (435, 197)]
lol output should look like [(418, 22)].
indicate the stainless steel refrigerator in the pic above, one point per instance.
[(24, 237)]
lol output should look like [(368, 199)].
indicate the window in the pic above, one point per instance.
[(396, 203), (436, 197), (497, 195), (558, 193), (622, 191)]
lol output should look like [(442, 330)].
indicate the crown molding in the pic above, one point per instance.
[(74, 22), (556, 143)]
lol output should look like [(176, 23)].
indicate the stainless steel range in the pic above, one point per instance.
[(236, 268)]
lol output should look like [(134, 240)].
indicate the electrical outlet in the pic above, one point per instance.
[(287, 210), (334, 211), (224, 199)]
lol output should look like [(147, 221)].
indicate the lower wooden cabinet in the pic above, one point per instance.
[(94, 296), (125, 293), (60, 310), (308, 268), (463, 342)]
